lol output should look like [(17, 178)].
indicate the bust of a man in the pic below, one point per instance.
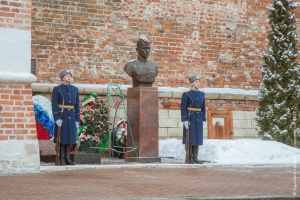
[(142, 71)]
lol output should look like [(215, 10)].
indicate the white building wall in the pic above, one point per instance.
[(15, 56), (17, 155), (244, 124)]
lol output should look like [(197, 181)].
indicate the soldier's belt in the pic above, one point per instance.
[(65, 106), (194, 109)]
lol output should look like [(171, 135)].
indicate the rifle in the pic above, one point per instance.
[(57, 146), (187, 155), (77, 142)]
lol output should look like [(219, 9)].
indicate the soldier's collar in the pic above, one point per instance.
[(65, 83), (194, 89)]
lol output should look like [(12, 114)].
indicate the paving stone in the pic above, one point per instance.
[(114, 179)]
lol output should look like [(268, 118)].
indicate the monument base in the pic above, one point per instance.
[(47, 151), (142, 107), (86, 158), (47, 158), (143, 159)]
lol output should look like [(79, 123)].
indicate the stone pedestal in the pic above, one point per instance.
[(47, 151), (142, 110)]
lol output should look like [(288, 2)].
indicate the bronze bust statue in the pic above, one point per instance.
[(142, 71)]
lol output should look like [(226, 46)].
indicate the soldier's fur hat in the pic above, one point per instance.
[(64, 72), (193, 78)]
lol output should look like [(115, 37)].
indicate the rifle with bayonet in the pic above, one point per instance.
[(57, 145), (187, 155)]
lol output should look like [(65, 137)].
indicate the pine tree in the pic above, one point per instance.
[(279, 97)]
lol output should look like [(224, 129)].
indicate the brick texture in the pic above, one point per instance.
[(16, 113), (223, 41), (15, 14)]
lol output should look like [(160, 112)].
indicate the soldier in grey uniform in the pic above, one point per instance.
[(66, 113)]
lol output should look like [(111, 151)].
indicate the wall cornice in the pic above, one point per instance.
[(10, 77), (163, 92)]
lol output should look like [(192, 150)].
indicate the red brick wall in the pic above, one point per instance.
[(15, 14), (244, 105), (221, 40), (17, 120), (213, 104)]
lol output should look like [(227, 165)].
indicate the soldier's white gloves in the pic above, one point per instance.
[(77, 125), (186, 124), (58, 122)]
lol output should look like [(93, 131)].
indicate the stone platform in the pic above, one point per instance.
[(166, 181)]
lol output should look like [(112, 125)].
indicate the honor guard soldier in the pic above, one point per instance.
[(66, 114), (193, 114)]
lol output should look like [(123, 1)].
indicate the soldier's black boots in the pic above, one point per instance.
[(191, 157), (62, 154), (195, 153), (68, 159)]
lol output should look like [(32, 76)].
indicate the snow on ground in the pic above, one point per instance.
[(241, 151)]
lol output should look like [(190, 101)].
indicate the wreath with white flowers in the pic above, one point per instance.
[(119, 139)]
